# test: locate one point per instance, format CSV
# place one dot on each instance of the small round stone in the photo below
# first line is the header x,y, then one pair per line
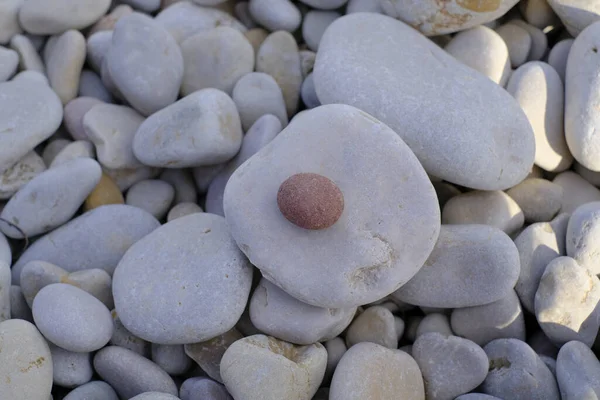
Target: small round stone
x,y
310,201
96,390
105,192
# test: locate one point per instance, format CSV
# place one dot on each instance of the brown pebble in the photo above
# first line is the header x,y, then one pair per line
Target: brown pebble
x,y
105,192
310,201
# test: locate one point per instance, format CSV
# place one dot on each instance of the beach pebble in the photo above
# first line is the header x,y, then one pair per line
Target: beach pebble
x,y
17,176
539,199
154,396
477,396
9,19
5,291
108,21
275,15
127,177
576,15
29,59
153,195
537,87
147,6
355,6
208,354
29,114
183,183
52,149
72,318
592,177
308,92
314,25
215,59
559,55
482,49
131,374
19,309
336,348
9,61
74,113
25,362
368,370
278,314
519,42
203,176
280,248
96,390
183,209
278,56
106,192
201,388
112,128
43,17
123,338
194,301
471,265
65,63
538,13
74,150
70,369
376,325
242,13
97,46
145,63
566,302
5,250
577,372
450,365
184,19
50,199
494,208
256,36
262,367
539,40
90,85
482,324
209,129
171,358
409,65
517,372
538,244
257,94
576,191
582,239
307,62
434,322
112,229
580,98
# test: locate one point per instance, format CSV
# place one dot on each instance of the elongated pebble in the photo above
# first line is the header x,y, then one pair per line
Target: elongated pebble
x,y
29,59
51,17
152,195
576,191
559,55
70,369
539,199
65,63
104,193
577,371
9,19
202,388
74,150
275,15
257,94
171,358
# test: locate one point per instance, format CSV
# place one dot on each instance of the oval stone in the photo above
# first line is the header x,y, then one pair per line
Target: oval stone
x,y
96,390
577,371
43,17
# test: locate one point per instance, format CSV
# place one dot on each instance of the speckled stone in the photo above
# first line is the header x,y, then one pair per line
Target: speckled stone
x,y
25,362
112,229
413,68
145,63
96,390
262,367
106,192
257,94
278,314
70,369
17,176
354,276
577,371
131,374
471,265
517,372
51,17
539,199
368,370
582,236
208,354
152,195
206,303
209,127
201,388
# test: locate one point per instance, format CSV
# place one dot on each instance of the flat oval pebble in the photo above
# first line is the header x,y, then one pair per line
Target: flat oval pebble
x,y
451,365
25,362
576,15
29,114
278,314
152,195
577,372
154,396
112,128
517,372
257,94
375,325
369,371
96,390
208,354
278,56
65,63
503,318
72,151
539,40
106,192
201,388
70,369
314,25
209,132
582,236
97,46
183,209
72,318
354,276
205,301
74,113
29,59
91,85
471,265
576,191
131,374
499,157
17,176
519,43
43,17
183,183
262,367
539,199
493,208
50,199
559,55
108,21
112,229
567,302
145,63
434,322
275,15
171,358
215,59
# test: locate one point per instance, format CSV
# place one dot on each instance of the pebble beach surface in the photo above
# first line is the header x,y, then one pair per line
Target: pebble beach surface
x,y
299,200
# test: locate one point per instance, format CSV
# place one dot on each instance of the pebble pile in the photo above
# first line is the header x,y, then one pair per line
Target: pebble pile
x,y
299,200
